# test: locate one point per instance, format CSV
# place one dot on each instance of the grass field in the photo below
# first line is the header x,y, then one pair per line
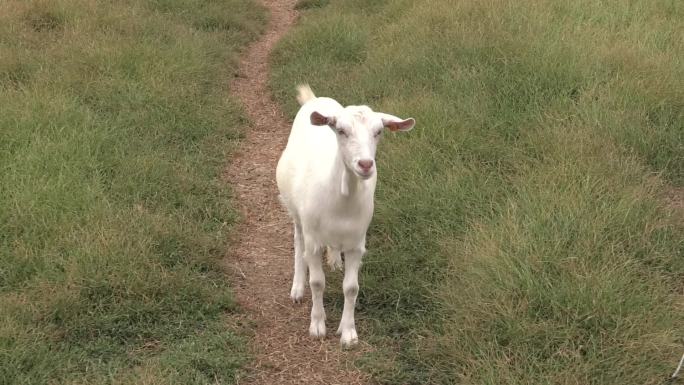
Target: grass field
x,y
115,122
526,230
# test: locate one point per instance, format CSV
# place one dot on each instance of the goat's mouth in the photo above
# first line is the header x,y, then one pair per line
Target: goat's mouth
x,y
364,174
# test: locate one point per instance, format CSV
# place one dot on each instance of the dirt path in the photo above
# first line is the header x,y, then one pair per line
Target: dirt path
x,y
262,255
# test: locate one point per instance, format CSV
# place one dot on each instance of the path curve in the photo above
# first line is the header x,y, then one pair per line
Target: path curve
x,y
261,255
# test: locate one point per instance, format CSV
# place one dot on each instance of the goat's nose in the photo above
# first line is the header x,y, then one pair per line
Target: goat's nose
x,y
365,164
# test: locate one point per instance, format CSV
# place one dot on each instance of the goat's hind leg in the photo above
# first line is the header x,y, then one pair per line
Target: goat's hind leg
x,y
313,255
299,279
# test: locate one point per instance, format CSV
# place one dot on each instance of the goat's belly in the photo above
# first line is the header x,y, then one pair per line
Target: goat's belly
x,y
342,233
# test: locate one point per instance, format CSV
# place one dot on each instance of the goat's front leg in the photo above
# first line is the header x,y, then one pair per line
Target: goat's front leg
x,y
350,285
314,259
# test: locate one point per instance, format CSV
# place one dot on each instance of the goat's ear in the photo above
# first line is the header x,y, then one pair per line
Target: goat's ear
x,y
396,124
318,119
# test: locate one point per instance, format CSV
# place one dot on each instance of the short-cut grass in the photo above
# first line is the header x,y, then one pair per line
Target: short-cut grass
x,y
115,121
523,233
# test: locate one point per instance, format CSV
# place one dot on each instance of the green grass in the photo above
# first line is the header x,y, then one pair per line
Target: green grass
x,y
306,4
114,126
521,234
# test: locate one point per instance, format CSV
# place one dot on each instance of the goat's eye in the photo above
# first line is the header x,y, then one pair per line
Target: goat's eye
x,y
342,132
378,133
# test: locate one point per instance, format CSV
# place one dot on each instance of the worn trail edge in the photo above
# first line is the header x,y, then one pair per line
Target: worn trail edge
x,y
262,255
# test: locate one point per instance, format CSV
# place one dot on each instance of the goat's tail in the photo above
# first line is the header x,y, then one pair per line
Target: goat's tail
x,y
304,94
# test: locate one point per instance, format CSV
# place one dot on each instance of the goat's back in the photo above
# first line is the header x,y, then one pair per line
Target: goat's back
x,y
311,152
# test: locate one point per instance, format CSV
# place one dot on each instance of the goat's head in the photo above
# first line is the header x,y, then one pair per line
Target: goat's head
x,y
358,130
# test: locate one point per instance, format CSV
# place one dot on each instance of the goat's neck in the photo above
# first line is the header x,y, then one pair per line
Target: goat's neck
x,y
349,183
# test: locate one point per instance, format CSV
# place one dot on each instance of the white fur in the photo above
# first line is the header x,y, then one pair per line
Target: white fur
x,y
329,196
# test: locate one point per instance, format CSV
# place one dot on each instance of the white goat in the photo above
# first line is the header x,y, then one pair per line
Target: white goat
x,y
326,177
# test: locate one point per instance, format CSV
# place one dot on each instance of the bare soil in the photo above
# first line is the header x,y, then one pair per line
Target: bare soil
x,y
262,254
674,198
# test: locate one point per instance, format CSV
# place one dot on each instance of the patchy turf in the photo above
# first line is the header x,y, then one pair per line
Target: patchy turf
x,y
115,124
524,231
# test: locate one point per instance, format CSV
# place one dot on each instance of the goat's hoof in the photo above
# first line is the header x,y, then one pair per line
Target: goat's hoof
x,y
349,338
317,328
297,294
